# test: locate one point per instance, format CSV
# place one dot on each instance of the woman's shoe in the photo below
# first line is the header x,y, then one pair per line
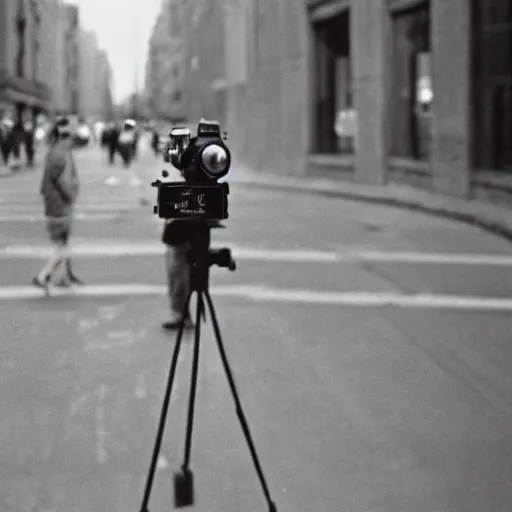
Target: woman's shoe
x,y
42,284
75,280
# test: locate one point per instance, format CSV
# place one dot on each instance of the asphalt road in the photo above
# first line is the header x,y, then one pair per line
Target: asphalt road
x,y
371,348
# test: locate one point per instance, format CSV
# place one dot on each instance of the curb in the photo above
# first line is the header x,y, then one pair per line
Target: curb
x,y
495,227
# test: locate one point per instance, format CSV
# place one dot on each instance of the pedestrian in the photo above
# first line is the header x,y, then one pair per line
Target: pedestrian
x,y
52,135
18,138
105,132
176,239
127,141
6,126
29,129
112,141
59,188
155,140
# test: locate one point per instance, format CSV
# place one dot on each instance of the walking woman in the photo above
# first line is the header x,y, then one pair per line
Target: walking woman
x,y
59,188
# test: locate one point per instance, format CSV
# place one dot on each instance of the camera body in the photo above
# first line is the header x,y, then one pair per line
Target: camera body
x,y
202,160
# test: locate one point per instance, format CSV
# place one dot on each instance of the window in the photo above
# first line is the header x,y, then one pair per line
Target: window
x,y
335,117
492,84
412,90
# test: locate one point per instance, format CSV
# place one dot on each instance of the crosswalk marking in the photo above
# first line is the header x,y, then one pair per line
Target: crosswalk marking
x,y
115,250
95,217
437,258
93,249
110,205
266,294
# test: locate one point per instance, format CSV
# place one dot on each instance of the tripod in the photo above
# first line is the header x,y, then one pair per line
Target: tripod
x,y
201,257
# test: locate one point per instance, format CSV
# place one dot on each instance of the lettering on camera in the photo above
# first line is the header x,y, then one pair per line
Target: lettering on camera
x,y
199,211
183,204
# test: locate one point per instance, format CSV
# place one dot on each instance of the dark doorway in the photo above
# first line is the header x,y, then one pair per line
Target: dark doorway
x,y
332,82
492,84
412,88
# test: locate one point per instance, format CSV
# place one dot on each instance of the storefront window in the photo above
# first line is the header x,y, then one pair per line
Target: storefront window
x,y
492,84
412,91
335,117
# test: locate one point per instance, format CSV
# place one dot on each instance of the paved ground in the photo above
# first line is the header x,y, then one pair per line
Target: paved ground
x,y
370,346
494,217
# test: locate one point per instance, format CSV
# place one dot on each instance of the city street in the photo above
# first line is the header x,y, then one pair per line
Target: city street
x,y
370,345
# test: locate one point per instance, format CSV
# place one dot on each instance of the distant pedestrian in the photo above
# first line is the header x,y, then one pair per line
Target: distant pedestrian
x,y
111,140
53,134
59,188
6,126
30,136
155,141
127,142
16,140
136,137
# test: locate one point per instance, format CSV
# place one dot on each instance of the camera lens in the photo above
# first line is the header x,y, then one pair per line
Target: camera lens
x,y
215,160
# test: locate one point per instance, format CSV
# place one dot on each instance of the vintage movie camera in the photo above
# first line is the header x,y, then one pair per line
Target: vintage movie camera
x,y
202,161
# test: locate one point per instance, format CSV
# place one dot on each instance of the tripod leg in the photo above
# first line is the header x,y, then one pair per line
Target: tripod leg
x,y
239,411
165,407
184,486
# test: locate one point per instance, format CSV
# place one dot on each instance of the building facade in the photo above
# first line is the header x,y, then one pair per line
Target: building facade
x,y
185,74
105,108
52,65
164,66
204,55
39,58
87,51
373,91
163,69
23,92
94,79
72,58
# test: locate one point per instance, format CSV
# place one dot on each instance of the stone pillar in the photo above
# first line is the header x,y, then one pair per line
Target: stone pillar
x,y
369,46
451,26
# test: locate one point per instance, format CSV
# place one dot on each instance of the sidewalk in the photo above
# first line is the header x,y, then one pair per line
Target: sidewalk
x,y
491,218
6,171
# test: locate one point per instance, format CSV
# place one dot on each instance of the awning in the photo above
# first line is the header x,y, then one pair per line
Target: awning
x,y
22,90
14,96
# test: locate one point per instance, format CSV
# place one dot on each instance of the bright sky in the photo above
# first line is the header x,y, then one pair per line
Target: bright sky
x,y
123,28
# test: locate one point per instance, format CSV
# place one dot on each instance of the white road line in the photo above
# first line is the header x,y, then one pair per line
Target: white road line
x,y
95,217
436,258
104,249
108,206
265,294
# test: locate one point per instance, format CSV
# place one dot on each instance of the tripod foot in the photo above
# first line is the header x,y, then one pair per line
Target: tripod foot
x,y
183,488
